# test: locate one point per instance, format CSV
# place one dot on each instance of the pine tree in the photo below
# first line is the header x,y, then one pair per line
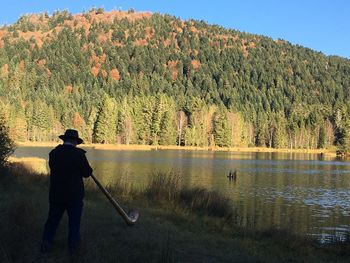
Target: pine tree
x,y
343,146
157,116
167,130
125,123
106,123
322,138
222,131
143,108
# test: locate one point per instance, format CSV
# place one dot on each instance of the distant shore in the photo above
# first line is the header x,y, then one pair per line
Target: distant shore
x,y
134,147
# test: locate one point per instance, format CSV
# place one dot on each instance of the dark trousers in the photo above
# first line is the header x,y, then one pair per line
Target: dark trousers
x,y
56,212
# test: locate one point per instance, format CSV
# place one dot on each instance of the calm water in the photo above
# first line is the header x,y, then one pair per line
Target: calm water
x,y
301,192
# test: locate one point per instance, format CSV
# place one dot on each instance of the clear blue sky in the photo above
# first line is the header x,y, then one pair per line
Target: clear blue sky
x,y
323,25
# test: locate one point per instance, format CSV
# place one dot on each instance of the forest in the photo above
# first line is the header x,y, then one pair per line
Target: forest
x,y
140,78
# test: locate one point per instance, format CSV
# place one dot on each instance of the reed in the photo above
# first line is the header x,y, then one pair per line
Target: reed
x,y
166,187
203,201
163,187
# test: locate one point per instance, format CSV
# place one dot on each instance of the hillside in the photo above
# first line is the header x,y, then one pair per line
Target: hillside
x,y
142,78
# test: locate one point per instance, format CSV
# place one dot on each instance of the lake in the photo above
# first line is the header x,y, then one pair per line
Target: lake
x,y
305,193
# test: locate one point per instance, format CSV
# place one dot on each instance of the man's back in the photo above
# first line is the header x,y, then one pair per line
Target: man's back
x,y
68,165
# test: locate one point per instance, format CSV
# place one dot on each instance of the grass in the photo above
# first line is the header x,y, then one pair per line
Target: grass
x,y
177,224
34,164
167,188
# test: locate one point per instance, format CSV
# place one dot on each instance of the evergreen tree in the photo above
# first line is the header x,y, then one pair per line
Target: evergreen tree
x,y
167,131
106,123
222,131
125,123
343,137
322,138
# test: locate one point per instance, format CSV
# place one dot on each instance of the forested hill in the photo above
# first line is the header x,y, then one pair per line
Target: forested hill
x,y
142,78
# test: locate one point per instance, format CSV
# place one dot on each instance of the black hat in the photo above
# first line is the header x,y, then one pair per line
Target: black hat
x,y
71,134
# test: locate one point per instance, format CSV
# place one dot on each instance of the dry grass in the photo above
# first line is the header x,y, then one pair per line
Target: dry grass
x,y
166,188
163,187
33,164
203,201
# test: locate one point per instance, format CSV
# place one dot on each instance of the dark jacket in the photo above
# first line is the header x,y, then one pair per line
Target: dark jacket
x,y
68,166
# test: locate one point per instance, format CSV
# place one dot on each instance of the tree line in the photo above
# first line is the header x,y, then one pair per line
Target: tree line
x,y
160,80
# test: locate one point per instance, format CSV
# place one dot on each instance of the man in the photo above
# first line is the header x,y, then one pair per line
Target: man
x,y
68,166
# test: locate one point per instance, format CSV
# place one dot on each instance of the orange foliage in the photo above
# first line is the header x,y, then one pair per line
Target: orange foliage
x,y
102,38
149,32
174,74
79,21
104,73
196,64
118,44
78,121
5,70
68,89
194,30
95,71
172,65
85,47
167,42
98,59
141,42
41,62
114,74
38,36
2,33
38,20
251,44
244,48
179,29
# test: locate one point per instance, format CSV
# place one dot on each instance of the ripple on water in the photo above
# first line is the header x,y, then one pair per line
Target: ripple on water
x,y
328,198
324,199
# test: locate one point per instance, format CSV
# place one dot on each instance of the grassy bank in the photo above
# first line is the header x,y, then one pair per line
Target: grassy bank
x,y
176,225
121,147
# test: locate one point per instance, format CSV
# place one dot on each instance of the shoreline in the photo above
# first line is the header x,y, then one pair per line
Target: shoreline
x,y
136,147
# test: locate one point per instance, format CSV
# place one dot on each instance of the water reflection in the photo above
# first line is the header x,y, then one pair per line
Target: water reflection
x,y
305,193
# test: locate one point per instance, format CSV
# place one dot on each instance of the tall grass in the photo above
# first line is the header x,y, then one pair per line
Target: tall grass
x,y
167,188
207,202
163,187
